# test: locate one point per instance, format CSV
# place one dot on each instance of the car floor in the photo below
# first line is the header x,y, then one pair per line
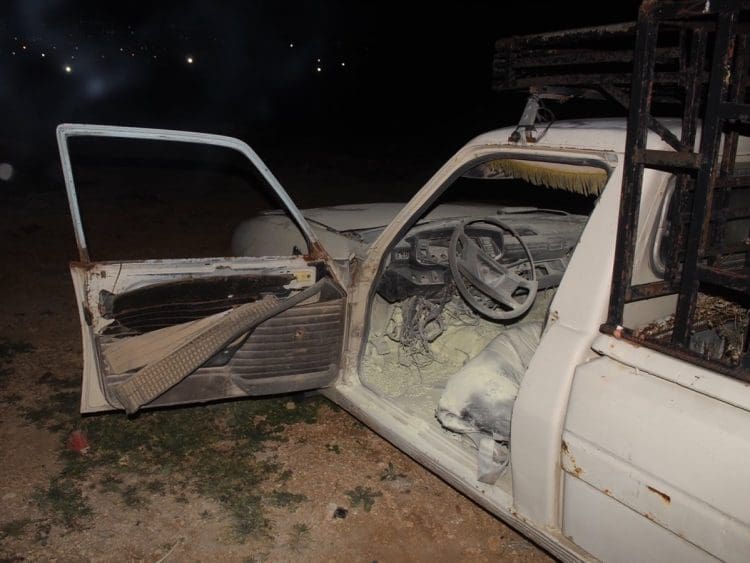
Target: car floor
x,y
415,380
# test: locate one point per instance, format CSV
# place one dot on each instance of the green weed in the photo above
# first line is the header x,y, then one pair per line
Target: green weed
x,y
57,412
391,474
10,348
299,537
110,483
284,476
132,497
209,450
285,499
15,528
364,496
64,502
156,487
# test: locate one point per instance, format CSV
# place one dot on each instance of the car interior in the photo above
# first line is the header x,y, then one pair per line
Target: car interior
x,y
461,304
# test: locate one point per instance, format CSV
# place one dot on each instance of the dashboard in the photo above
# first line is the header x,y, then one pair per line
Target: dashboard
x,y
419,263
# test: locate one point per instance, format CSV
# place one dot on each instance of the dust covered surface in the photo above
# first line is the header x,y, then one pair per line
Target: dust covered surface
x,y
263,480
416,381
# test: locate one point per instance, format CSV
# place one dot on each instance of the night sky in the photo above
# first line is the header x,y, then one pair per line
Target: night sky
x,y
260,70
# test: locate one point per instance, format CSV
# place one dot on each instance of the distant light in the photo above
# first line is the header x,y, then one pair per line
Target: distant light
x,y
343,63
23,47
291,45
6,171
72,57
43,55
318,60
318,69
121,49
68,69
189,60
13,53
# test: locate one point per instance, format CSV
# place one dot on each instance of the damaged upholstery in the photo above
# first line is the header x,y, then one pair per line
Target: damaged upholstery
x,y
479,397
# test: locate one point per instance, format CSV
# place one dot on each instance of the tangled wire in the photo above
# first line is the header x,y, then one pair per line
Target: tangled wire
x,y
421,324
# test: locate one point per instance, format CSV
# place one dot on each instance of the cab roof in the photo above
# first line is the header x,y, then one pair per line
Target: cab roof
x,y
603,134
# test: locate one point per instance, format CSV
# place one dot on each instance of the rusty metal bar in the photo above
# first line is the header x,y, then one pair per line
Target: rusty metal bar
x,y
704,184
725,250
641,89
592,80
568,57
737,280
685,354
726,181
618,95
649,291
734,110
668,159
732,182
693,63
601,32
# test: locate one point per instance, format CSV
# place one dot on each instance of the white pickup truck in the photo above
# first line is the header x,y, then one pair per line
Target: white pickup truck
x,y
493,344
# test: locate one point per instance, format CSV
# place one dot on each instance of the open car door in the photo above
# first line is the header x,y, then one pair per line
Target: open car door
x,y
170,332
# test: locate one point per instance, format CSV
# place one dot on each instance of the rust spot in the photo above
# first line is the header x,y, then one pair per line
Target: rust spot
x,y
607,492
554,316
83,264
316,252
566,452
650,516
664,496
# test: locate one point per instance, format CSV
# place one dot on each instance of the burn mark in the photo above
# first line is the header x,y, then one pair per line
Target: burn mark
x,y
664,496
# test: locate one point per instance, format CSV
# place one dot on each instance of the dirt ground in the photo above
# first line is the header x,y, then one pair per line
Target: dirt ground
x,y
280,479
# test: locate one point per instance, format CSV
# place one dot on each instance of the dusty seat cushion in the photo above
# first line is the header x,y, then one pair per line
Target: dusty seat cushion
x,y
479,397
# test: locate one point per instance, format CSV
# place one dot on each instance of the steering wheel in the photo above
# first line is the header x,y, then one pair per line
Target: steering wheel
x,y
487,275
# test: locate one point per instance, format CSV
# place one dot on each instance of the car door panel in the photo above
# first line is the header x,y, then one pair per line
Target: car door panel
x,y
295,350
141,319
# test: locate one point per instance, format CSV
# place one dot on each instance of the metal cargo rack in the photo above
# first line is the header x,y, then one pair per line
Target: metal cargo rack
x,y
694,55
